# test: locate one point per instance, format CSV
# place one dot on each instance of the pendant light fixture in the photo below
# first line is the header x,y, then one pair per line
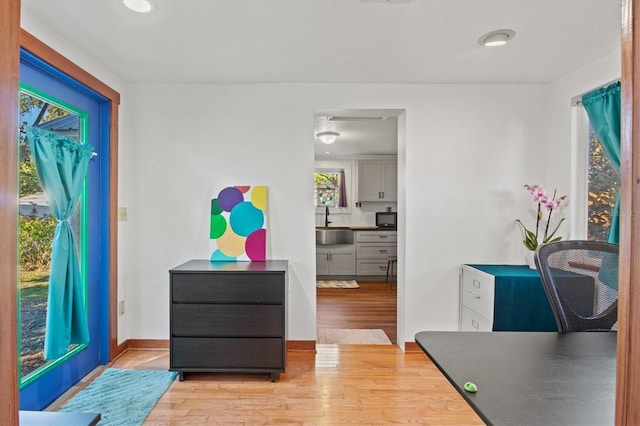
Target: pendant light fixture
x,y
328,137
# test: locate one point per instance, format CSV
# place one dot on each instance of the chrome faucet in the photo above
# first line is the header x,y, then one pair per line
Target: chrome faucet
x,y
326,216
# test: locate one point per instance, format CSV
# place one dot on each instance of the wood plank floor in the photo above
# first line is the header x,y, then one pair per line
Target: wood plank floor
x,y
339,384
373,305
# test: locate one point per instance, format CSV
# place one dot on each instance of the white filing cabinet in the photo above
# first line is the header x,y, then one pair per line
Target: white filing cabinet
x,y
476,300
372,250
503,298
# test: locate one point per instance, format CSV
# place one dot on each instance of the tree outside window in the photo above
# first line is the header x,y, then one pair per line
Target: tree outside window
x,y
603,188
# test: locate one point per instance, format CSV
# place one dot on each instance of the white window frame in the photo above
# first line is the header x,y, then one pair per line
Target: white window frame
x,y
578,208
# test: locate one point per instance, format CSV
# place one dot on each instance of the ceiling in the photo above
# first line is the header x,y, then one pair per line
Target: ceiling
x,y
335,41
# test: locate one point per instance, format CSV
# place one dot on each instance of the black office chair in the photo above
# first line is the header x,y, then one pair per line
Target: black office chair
x,y
580,279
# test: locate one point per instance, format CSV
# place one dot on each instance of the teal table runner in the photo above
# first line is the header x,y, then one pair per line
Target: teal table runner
x,y
520,303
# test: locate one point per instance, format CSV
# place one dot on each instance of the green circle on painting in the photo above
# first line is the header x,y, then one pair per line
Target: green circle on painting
x,y
218,226
215,207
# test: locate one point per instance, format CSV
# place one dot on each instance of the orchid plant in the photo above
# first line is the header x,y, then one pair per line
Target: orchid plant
x,y
540,196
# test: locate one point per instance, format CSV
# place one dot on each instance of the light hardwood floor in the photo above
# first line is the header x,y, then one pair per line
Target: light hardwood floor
x,y
338,384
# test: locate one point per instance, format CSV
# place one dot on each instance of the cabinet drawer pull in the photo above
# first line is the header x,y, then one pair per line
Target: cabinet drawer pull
x,y
382,268
475,324
382,251
474,295
383,236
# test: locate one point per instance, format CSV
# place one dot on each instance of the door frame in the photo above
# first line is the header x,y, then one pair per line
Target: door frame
x,y
39,49
12,38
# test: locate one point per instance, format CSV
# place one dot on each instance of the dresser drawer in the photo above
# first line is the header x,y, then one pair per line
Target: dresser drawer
x,y
477,293
471,321
227,288
376,251
227,353
218,320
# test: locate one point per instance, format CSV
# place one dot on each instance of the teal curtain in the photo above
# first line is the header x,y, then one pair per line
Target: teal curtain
x,y
603,108
61,166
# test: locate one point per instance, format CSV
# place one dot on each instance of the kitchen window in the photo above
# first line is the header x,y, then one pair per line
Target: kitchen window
x,y
331,187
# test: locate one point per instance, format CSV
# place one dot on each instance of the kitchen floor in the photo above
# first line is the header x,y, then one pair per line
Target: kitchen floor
x,y
373,305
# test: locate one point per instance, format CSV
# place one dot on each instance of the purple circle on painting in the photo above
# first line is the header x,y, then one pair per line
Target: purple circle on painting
x,y
229,197
256,244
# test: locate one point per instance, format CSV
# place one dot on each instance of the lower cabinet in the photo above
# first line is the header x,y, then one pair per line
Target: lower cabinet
x,y
228,317
503,298
339,259
372,250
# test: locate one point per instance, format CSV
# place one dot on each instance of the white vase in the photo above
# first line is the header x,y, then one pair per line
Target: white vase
x,y
530,260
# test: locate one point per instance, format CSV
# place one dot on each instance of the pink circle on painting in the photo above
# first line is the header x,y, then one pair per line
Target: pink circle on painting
x,y
255,245
229,197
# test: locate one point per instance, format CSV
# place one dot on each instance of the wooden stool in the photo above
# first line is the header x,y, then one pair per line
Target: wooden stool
x,y
391,260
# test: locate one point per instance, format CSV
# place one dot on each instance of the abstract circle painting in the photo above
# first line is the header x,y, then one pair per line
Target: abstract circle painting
x,y
238,228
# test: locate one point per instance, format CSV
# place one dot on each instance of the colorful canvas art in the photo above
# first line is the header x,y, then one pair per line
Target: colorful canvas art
x,y
238,229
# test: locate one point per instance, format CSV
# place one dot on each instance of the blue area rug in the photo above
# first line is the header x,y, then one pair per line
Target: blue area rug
x,y
122,397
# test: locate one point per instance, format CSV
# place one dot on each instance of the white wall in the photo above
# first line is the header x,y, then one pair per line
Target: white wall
x,y
469,149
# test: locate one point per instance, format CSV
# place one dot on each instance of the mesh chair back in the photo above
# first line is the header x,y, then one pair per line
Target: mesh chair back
x,y
581,282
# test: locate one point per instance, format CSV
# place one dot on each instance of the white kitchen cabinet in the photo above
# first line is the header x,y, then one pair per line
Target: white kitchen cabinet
x,y
372,250
377,180
337,259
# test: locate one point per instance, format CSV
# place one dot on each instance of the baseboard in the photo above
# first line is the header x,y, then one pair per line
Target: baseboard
x,y
301,346
292,345
120,349
148,344
411,347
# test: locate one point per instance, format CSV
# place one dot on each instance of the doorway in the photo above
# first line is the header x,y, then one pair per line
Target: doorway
x,y
53,101
362,138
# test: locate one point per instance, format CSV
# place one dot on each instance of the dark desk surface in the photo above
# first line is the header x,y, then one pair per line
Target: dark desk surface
x,y
530,378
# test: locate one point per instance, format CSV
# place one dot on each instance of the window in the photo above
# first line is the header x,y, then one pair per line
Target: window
x,y
330,188
603,187
36,227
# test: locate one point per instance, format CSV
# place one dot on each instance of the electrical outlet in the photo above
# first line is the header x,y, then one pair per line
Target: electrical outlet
x,y
121,307
122,213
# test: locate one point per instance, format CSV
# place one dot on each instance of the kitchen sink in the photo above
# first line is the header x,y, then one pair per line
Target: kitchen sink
x,y
327,236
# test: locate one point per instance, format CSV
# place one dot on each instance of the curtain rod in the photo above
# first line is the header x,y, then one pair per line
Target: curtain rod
x,y
577,100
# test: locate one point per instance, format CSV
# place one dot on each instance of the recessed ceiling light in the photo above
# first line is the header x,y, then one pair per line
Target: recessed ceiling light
x,y
496,38
140,6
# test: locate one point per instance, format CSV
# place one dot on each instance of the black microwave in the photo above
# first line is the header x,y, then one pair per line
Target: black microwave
x,y
386,219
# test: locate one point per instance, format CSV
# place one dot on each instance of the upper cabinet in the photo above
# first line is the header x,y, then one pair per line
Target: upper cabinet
x,y
377,180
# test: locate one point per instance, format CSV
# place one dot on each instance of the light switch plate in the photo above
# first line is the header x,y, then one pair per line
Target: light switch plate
x,y
122,213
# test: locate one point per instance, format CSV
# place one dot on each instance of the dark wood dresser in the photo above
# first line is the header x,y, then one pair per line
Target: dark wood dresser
x,y
228,317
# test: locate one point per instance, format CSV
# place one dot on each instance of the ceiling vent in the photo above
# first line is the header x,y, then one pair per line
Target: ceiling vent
x,y
351,118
